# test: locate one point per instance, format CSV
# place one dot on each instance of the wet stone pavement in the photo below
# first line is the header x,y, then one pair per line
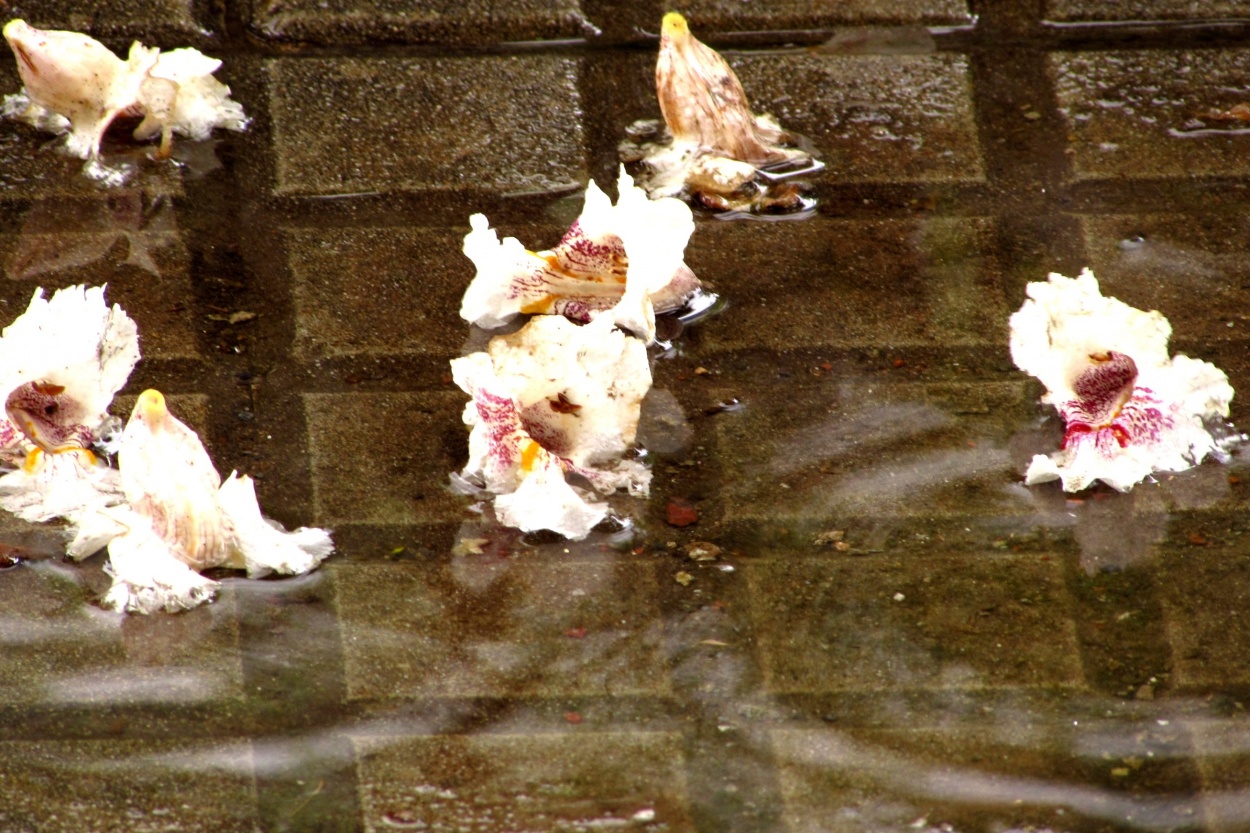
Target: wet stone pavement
x,y
896,633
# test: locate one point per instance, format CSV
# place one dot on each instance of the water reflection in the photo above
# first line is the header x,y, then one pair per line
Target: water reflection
x,y
58,235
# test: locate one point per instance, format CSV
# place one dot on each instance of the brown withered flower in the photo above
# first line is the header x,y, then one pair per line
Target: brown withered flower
x,y
712,148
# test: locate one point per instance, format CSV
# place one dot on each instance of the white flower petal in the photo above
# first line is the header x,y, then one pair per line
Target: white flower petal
x,y
632,251
1129,409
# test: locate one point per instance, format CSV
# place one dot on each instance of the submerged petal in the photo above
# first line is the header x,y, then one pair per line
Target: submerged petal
x,y
1128,408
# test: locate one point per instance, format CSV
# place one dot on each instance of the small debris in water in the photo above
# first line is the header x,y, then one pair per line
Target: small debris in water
x,y
683,578
898,597
681,512
701,551
573,717
575,633
828,538
11,556
644,816
241,316
732,404
470,546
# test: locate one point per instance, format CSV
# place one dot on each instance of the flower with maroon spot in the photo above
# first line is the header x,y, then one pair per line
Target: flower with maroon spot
x,y
627,256
1128,407
551,402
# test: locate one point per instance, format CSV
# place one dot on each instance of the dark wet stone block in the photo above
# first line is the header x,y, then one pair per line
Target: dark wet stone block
x,y
1206,602
1077,11
164,23
1222,744
64,650
723,15
498,123
362,292
125,238
876,451
363,21
1154,114
843,283
486,627
384,458
510,782
72,786
904,118
988,770
941,622
1195,269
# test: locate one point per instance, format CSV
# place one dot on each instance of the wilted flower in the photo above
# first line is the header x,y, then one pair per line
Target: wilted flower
x,y
551,400
74,83
61,362
180,518
714,148
1129,408
627,256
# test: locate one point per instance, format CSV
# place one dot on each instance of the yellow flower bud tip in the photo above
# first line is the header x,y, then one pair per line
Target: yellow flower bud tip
x,y
151,406
674,24
13,25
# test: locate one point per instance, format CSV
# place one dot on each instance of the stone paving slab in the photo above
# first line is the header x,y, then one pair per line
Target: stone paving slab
x,y
384,458
372,291
478,22
899,118
518,783
848,283
1154,114
1071,11
1165,261
75,786
1220,745
507,124
723,15
867,447
128,241
60,648
1206,605
485,627
979,621
1002,773
164,23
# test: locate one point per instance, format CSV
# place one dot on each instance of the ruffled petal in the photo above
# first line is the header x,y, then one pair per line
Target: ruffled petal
x,y
1129,409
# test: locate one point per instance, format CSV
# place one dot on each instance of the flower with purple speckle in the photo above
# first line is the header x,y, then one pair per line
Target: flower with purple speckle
x,y
1129,408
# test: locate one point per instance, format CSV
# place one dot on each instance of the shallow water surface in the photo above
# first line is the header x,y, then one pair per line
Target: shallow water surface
x,y
873,625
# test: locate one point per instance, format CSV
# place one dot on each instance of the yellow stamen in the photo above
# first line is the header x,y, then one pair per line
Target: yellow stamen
x,y
87,457
32,460
529,455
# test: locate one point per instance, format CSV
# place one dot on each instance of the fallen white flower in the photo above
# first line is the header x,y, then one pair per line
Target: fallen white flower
x,y
629,255
180,518
553,399
73,83
61,362
1129,408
